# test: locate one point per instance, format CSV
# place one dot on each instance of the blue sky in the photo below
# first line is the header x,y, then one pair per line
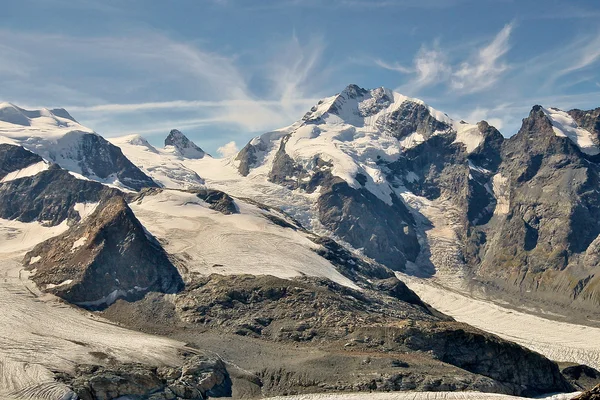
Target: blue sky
x,y
226,70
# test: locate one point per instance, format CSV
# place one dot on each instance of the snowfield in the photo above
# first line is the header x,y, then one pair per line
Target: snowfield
x,y
52,134
39,333
565,126
245,243
26,172
559,341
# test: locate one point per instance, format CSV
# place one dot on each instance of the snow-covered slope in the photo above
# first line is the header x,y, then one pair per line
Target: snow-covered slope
x,y
355,131
165,165
565,126
246,243
359,129
58,138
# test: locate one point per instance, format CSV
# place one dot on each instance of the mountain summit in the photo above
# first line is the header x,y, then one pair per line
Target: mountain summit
x,y
183,146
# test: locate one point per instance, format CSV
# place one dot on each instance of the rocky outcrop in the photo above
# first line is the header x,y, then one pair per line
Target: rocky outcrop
x,y
582,377
99,158
14,158
385,319
183,146
108,256
593,394
544,242
49,197
201,376
218,201
385,232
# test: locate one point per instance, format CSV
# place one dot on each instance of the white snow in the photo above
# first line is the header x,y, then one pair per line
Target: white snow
x,y
30,170
35,259
78,243
52,134
165,166
565,126
66,282
85,209
245,243
560,341
468,134
17,237
412,140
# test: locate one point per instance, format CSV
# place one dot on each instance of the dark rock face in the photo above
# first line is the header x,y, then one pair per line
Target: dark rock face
x,y
14,158
409,118
249,155
96,156
384,232
219,201
109,255
348,264
184,146
546,242
200,377
582,377
588,120
49,196
487,355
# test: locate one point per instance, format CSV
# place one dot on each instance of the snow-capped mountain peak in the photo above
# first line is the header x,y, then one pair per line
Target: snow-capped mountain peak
x,y
43,120
58,138
564,125
183,146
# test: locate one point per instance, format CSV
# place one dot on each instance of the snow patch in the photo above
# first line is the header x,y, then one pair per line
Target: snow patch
x,y
85,209
501,191
17,237
565,126
468,134
78,243
31,170
67,282
35,259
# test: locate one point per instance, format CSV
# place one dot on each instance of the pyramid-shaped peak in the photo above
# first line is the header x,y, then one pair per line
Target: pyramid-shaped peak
x,y
353,91
183,146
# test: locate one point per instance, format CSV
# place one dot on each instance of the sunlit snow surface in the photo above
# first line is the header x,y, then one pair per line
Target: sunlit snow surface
x,y
31,170
52,134
564,125
245,243
38,333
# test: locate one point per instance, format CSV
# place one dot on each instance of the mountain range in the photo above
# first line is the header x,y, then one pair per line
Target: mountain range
x,y
306,236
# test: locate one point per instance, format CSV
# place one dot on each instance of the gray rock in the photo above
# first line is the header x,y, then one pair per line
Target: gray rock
x,y
14,158
183,146
108,256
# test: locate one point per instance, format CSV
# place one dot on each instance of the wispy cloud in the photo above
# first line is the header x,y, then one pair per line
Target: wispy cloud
x,y
432,66
584,53
486,67
167,75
